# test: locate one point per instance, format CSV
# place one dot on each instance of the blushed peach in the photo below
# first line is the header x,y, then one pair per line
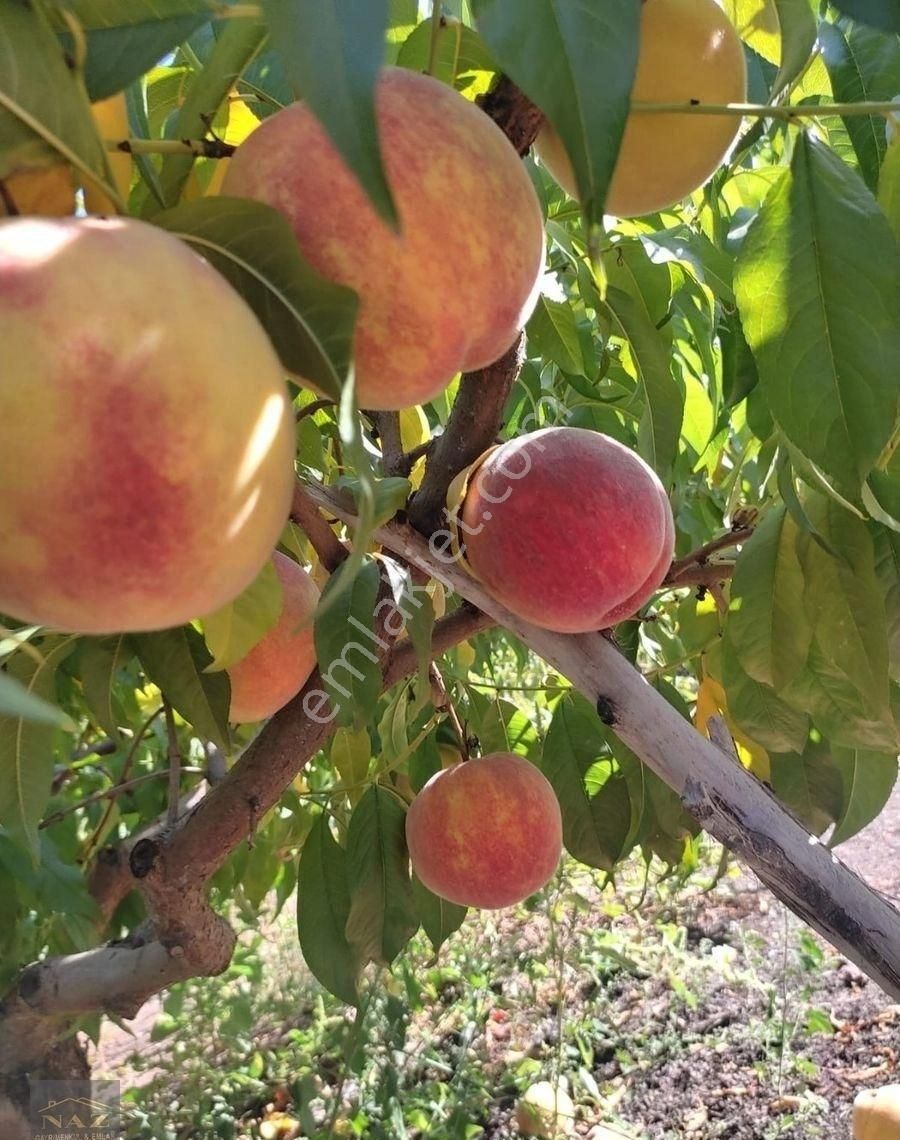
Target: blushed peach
x,y
146,440
568,528
279,665
485,833
450,291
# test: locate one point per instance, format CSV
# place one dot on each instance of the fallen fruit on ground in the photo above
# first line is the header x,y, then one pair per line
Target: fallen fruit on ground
x,y
568,528
689,52
876,1114
279,665
450,291
146,441
485,833
545,1110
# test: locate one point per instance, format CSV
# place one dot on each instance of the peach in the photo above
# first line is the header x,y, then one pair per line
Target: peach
x,y
450,291
568,528
146,436
279,665
689,50
485,833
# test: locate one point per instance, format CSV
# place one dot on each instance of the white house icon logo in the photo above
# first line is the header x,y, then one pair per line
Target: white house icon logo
x,y
75,1112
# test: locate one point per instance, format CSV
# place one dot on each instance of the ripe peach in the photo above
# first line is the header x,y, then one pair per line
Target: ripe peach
x,y
485,833
279,665
146,441
450,291
567,528
689,50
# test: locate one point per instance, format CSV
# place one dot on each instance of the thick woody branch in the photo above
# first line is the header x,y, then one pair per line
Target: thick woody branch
x,y
723,796
327,545
472,428
683,571
514,113
387,424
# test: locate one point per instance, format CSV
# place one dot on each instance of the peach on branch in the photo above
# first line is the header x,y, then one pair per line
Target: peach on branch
x,y
146,441
279,665
451,289
568,528
485,833
689,52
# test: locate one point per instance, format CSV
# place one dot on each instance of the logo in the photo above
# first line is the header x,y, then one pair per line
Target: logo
x,y
75,1110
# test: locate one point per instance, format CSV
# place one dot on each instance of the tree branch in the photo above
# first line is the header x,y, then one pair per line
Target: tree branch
x,y
514,113
472,428
327,545
387,424
681,571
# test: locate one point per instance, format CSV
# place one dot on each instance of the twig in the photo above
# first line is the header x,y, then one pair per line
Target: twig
x,y
199,148
441,699
409,459
327,545
786,111
110,794
678,571
472,427
311,409
174,754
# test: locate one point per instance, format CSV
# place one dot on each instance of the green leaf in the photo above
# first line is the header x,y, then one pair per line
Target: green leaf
x,y
864,66
660,424
798,38
767,623
810,784
889,187
27,745
99,662
817,288
887,569
460,50
390,495
346,647
176,660
235,47
323,908
18,702
845,607
382,916
232,631
758,709
439,918
412,606
596,820
308,319
117,56
92,14
332,54
577,62
883,14
868,779
350,753
45,116
553,335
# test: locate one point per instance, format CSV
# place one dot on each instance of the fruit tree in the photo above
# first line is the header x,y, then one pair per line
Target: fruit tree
x,y
434,437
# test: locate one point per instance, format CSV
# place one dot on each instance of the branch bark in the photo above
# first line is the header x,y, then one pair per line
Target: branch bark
x,y
327,545
723,796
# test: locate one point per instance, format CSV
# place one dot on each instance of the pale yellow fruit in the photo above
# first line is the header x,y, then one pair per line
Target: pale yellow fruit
x,y
689,51
876,1114
546,1111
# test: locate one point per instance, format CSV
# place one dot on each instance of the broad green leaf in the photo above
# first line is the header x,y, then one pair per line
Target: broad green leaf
x,y
176,660
232,631
346,644
99,662
767,623
382,916
389,495
818,288
868,779
402,17
798,38
660,423
18,702
117,56
460,51
350,753
739,374
756,22
439,918
323,908
810,784
45,116
576,61
883,14
758,709
889,187
392,729
122,13
237,44
650,284
887,569
845,608
595,826
553,335
711,265
27,745
309,320
332,54
864,66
